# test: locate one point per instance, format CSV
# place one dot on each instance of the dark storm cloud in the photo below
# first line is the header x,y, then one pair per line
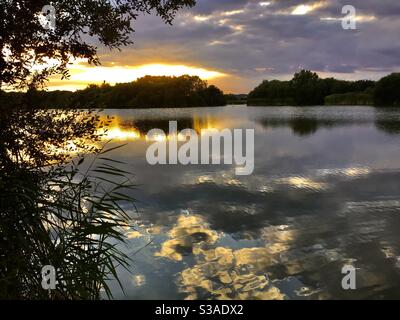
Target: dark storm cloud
x,y
253,41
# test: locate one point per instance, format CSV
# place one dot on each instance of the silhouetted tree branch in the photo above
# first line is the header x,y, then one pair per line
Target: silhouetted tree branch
x,y
24,42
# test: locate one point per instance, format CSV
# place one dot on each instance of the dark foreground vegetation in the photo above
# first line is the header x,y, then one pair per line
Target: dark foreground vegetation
x,y
63,201
58,207
146,92
306,88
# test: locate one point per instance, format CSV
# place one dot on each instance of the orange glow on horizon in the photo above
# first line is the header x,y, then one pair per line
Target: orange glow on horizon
x,y
82,75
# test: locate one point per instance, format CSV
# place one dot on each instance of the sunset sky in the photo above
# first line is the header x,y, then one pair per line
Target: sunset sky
x,y
237,43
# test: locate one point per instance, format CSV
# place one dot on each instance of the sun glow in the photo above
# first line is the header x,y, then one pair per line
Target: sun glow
x,y
117,130
119,134
82,75
302,9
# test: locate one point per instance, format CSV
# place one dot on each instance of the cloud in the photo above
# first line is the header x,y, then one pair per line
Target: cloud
x,y
251,40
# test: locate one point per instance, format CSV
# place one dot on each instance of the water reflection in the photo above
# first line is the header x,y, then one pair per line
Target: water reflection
x,y
226,273
300,126
302,123
188,232
388,120
223,273
312,205
120,129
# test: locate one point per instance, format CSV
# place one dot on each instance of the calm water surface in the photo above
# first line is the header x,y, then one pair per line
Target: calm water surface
x,y
325,192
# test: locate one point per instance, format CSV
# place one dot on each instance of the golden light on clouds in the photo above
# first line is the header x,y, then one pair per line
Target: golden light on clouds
x,y
358,18
204,18
201,18
302,9
82,75
232,13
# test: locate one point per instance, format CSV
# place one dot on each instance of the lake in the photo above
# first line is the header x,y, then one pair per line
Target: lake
x,y
324,193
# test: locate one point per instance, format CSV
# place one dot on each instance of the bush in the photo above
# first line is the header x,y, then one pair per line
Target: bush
x,y
352,98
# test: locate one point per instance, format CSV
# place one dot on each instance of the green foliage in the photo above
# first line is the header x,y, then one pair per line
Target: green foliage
x,y
387,92
54,211
24,42
351,98
306,88
152,92
213,96
146,92
273,92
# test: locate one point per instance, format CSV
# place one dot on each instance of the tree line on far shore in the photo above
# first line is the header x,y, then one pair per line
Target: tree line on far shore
x,y
307,88
146,92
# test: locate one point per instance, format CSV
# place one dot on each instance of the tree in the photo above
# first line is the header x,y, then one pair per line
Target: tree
x,y
387,91
273,92
146,92
25,43
307,88
53,212
214,96
56,214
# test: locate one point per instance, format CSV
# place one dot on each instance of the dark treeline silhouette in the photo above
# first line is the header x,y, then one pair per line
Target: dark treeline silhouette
x,y
387,90
146,92
236,98
307,88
